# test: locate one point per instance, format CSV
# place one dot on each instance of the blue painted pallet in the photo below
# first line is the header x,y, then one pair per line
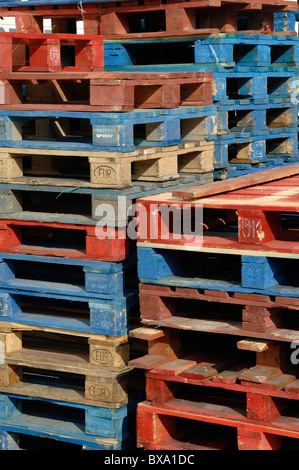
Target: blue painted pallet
x,y
258,87
259,274
277,148
100,428
111,131
73,313
216,51
256,119
67,277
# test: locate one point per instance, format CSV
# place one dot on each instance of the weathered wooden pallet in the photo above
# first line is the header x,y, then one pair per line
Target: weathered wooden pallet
x,y
98,387
32,440
228,313
258,87
256,119
26,198
160,428
64,240
207,386
255,360
239,152
68,276
158,20
68,312
67,130
102,169
266,220
79,362
50,52
219,271
104,91
124,18
48,3
212,52
97,427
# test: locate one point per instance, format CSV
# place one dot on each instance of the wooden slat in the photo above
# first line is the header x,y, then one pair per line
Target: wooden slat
x,y
218,187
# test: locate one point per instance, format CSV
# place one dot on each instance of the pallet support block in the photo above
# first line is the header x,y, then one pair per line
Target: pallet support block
x,y
113,318
9,441
104,390
153,428
263,407
259,272
157,169
258,227
261,318
10,130
112,354
256,440
98,423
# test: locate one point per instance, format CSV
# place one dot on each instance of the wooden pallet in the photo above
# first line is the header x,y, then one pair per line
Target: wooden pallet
x,y
214,387
256,120
169,347
67,240
210,52
237,152
32,440
122,18
253,87
67,277
107,131
230,271
71,351
46,309
227,313
106,91
101,169
50,52
160,428
84,425
99,364
260,224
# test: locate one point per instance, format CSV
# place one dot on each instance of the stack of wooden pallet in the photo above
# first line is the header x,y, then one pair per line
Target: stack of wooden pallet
x,y
219,314
78,146
153,97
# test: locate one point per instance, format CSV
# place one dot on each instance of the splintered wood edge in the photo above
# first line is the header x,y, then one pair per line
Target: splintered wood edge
x,y
253,345
145,333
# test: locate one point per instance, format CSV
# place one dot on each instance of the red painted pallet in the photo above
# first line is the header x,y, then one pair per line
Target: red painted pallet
x,y
160,428
228,313
151,18
50,52
211,386
259,225
169,348
65,240
104,91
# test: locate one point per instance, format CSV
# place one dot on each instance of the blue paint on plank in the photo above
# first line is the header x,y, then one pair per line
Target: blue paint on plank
x,y
258,274
105,316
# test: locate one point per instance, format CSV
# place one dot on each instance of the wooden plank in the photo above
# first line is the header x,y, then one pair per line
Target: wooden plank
x,y
147,334
218,187
259,374
176,367
230,376
252,345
